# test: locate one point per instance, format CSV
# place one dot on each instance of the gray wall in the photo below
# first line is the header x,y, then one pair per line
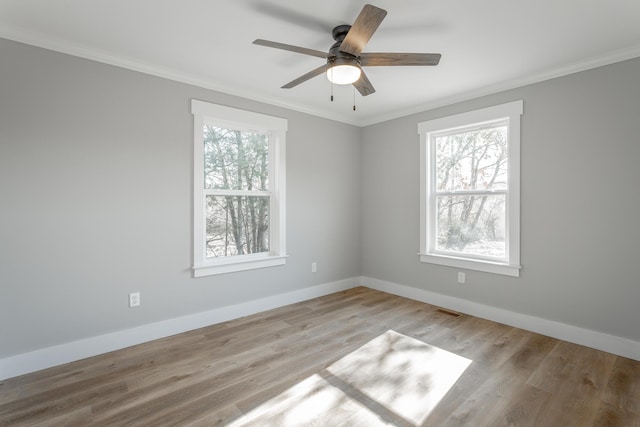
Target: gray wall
x,y
96,184
96,201
580,203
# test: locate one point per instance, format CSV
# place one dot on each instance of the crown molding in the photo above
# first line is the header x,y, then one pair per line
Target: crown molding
x,y
595,62
81,51
45,42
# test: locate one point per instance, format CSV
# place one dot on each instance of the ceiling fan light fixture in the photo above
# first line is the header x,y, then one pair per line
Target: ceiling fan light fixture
x,y
343,72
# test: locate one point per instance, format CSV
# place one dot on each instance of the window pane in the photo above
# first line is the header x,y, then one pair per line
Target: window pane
x,y
474,160
237,225
235,160
472,224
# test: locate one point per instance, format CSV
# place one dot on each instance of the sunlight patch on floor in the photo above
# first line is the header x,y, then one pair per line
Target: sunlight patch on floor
x,y
312,402
391,380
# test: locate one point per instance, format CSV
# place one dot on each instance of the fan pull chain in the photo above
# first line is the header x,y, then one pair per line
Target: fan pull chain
x,y
331,82
354,98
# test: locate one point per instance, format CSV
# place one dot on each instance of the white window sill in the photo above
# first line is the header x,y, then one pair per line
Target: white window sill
x,y
472,264
239,263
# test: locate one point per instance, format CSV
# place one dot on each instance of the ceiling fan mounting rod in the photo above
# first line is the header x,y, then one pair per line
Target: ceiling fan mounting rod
x,y
340,32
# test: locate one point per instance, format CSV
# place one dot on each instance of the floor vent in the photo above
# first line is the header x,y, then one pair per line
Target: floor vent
x,y
449,312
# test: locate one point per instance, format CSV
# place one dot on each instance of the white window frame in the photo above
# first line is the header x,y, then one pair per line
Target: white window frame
x,y
233,118
510,112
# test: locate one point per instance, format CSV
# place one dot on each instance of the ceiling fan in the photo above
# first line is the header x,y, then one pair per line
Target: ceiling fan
x,y
345,58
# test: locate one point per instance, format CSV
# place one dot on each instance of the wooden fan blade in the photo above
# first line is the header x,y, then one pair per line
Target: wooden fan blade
x,y
385,59
362,29
290,48
317,71
363,85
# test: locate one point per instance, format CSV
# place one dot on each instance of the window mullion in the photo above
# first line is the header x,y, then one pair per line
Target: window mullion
x,y
250,193
471,193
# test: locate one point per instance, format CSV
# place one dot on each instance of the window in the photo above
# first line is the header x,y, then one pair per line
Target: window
x,y
239,189
469,188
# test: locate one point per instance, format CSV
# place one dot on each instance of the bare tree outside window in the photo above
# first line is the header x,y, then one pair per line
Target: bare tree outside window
x,y
471,180
236,167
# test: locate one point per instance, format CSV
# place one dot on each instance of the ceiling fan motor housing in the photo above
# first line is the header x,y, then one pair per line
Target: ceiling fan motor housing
x,y
335,56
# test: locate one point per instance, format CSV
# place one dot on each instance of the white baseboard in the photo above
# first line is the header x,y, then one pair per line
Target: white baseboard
x,y
51,356
598,340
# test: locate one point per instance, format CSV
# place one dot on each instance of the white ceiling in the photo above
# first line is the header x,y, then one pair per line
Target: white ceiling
x,y
486,46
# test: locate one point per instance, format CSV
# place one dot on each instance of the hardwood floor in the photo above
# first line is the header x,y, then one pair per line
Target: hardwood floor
x,y
218,374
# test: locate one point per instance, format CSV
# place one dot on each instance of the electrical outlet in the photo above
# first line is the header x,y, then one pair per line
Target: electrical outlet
x,y
461,277
134,299
314,267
